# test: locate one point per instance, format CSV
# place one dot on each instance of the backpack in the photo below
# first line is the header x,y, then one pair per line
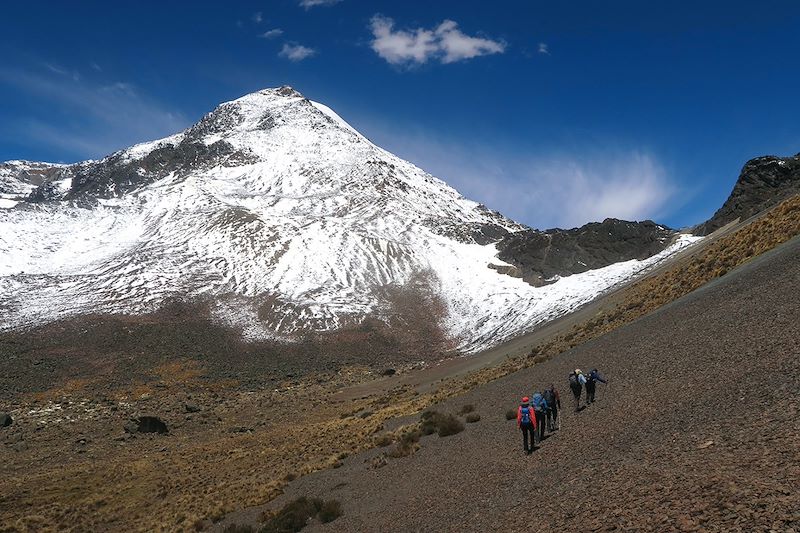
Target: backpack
x,y
549,397
573,380
525,416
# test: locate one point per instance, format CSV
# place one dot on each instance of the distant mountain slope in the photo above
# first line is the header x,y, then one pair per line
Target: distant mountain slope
x,y
539,256
763,183
282,220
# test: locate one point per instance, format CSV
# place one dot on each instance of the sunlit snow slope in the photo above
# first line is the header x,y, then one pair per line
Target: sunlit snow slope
x,y
270,202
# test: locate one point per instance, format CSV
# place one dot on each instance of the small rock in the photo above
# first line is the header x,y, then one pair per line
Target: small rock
x,y
5,420
20,446
131,426
191,407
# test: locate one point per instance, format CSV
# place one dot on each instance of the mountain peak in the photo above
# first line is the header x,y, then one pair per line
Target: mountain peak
x,y
284,90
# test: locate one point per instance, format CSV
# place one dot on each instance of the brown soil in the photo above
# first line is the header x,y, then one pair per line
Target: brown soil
x,y
697,430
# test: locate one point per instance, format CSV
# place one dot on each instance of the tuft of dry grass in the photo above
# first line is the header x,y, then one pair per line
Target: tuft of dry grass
x,y
407,444
472,418
443,424
295,515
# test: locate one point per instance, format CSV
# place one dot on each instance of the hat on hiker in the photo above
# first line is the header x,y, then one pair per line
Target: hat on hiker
x,y
525,399
577,370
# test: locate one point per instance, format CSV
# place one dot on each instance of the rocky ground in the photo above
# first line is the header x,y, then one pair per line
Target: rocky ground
x,y
698,430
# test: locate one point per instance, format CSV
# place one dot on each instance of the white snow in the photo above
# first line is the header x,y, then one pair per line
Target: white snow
x,y
317,227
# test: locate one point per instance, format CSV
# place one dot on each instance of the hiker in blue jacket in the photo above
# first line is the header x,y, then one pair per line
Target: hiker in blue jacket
x,y
591,382
540,408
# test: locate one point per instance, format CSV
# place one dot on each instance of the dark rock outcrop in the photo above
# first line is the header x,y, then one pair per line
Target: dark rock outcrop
x,y
146,424
763,183
116,175
540,255
5,420
18,176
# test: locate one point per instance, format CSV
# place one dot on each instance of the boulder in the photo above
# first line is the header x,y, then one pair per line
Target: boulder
x,y
5,420
146,424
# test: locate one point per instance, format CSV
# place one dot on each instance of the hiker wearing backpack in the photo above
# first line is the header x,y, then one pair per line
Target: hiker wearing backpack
x,y
553,405
540,410
591,382
576,382
526,422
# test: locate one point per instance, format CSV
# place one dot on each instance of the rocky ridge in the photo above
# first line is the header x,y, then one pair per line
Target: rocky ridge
x,y
764,182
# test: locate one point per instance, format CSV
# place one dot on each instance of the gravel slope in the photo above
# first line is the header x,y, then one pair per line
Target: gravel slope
x,y
697,430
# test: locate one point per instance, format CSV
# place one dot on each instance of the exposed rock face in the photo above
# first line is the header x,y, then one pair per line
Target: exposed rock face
x,y
19,178
539,256
763,183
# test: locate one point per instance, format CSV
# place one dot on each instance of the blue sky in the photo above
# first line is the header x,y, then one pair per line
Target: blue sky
x,y
555,113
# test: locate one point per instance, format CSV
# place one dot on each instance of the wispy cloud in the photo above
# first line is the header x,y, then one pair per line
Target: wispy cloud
x,y
57,69
544,49
308,4
257,17
271,34
559,190
86,119
445,43
296,52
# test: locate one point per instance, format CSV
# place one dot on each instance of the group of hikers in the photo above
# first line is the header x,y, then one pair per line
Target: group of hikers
x,y
540,412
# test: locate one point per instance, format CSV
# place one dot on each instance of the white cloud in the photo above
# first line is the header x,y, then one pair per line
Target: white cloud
x,y
458,46
257,17
399,47
101,118
544,191
296,52
544,49
446,43
271,34
308,4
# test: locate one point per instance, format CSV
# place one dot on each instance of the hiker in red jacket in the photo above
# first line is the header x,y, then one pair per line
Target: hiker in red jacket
x,y
526,422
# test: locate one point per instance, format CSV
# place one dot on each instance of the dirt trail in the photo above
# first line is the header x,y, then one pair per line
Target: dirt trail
x,y
699,429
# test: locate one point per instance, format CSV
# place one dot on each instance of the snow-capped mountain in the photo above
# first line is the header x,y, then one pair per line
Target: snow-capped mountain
x,y
282,216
